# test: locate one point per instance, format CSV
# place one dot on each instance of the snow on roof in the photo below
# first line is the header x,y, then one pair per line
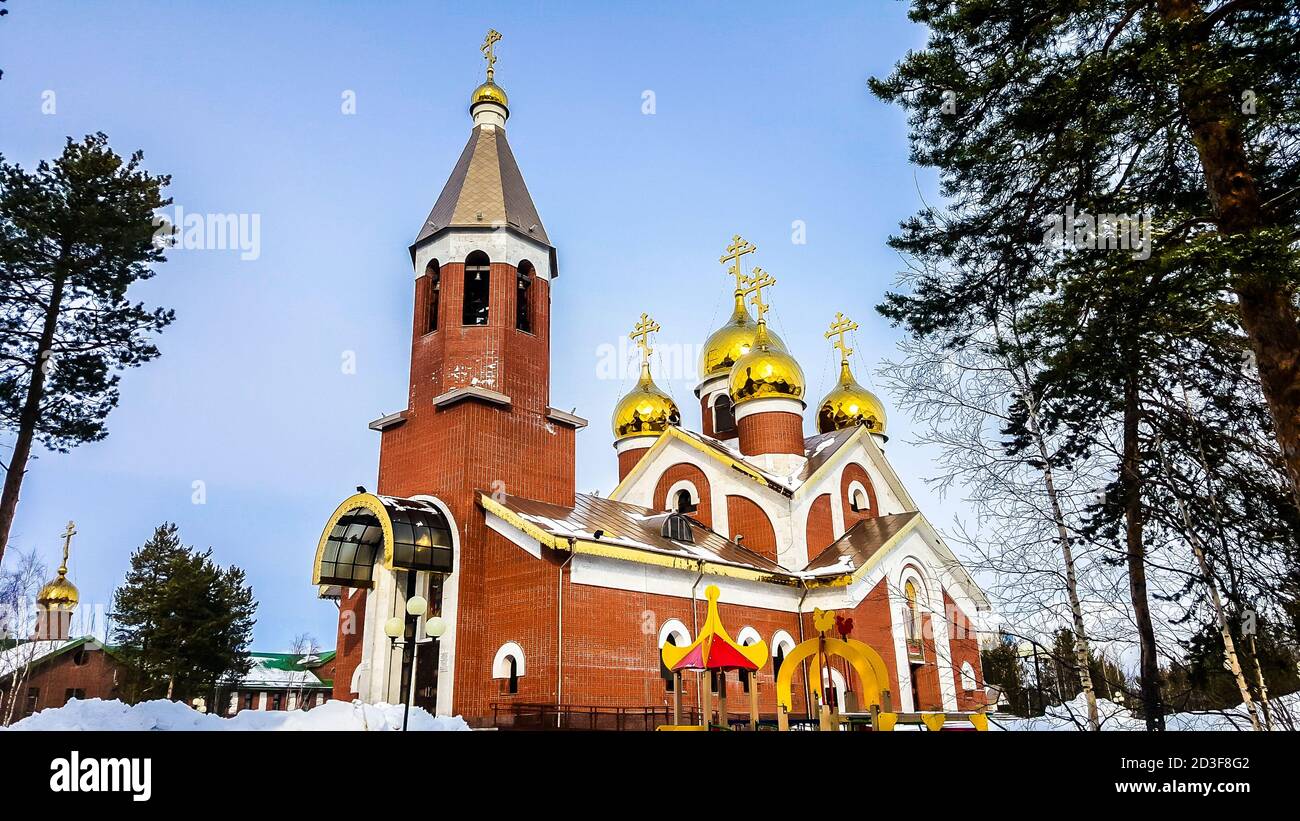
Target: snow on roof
x,y
28,652
281,670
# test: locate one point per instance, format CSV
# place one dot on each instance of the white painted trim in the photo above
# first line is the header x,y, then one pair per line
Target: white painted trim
x,y
856,486
748,636
640,440
449,612
499,667
681,484
674,628
782,639
514,534
771,404
453,246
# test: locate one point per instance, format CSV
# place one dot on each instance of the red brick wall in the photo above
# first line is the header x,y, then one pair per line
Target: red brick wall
x,y
692,474
771,432
101,676
450,452
853,471
820,532
744,517
965,646
627,460
348,646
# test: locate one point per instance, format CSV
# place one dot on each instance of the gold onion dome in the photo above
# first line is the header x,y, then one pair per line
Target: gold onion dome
x,y
849,404
645,410
489,92
765,372
59,594
732,341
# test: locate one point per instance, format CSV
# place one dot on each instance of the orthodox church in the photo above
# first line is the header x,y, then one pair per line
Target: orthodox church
x,y
477,581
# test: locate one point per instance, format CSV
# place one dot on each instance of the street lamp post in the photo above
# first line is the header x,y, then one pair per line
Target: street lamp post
x,y
406,629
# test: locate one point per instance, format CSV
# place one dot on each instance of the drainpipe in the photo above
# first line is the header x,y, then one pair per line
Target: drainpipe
x,y
695,634
559,634
807,693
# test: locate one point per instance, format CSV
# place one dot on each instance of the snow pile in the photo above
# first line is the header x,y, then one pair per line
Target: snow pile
x,y
97,714
1073,715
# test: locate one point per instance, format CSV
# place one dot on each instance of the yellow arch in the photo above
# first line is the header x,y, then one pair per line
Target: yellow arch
x,y
866,662
370,502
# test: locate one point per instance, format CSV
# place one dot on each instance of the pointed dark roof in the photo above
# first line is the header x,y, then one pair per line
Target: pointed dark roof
x,y
485,190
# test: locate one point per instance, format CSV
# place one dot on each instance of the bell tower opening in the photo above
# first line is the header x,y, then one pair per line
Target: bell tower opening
x,y
478,289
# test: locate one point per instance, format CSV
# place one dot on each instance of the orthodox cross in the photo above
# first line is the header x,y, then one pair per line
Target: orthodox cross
x,y
488,52
738,248
68,533
839,328
754,285
641,335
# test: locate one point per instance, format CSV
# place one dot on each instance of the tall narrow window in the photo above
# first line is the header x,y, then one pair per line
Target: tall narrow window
x,y
724,415
664,672
514,674
478,276
432,300
523,298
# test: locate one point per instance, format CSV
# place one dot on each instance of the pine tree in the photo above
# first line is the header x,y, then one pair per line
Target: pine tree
x,y
1036,111
183,622
75,234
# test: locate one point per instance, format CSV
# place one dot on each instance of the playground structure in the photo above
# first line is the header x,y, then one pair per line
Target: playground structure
x,y
868,706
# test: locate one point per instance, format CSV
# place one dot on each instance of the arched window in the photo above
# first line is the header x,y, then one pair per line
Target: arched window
x,y
478,280
745,638
663,668
682,502
724,415
782,644
434,287
523,298
913,611
859,502
968,681
509,666
912,624
675,633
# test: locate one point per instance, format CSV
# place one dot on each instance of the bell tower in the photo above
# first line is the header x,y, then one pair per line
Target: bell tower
x,y
479,414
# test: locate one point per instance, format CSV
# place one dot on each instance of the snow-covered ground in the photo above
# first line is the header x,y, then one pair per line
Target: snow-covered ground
x,y
1073,715
97,714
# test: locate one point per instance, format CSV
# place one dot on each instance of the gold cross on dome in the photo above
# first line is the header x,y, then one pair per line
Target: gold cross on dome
x,y
738,248
839,328
68,533
754,285
488,52
641,335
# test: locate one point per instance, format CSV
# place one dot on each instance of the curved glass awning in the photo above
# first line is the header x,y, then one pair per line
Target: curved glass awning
x,y
407,534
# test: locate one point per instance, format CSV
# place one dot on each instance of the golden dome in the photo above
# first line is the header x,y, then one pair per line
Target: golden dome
x,y
732,341
489,92
645,410
848,404
765,372
59,594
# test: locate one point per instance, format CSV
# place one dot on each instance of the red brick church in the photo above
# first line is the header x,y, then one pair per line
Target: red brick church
x,y
553,597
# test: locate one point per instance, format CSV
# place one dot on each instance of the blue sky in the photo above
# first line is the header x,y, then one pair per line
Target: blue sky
x,y
762,117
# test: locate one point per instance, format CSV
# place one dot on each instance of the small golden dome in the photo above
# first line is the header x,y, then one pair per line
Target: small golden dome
x,y
489,92
645,409
766,372
732,341
848,404
59,594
